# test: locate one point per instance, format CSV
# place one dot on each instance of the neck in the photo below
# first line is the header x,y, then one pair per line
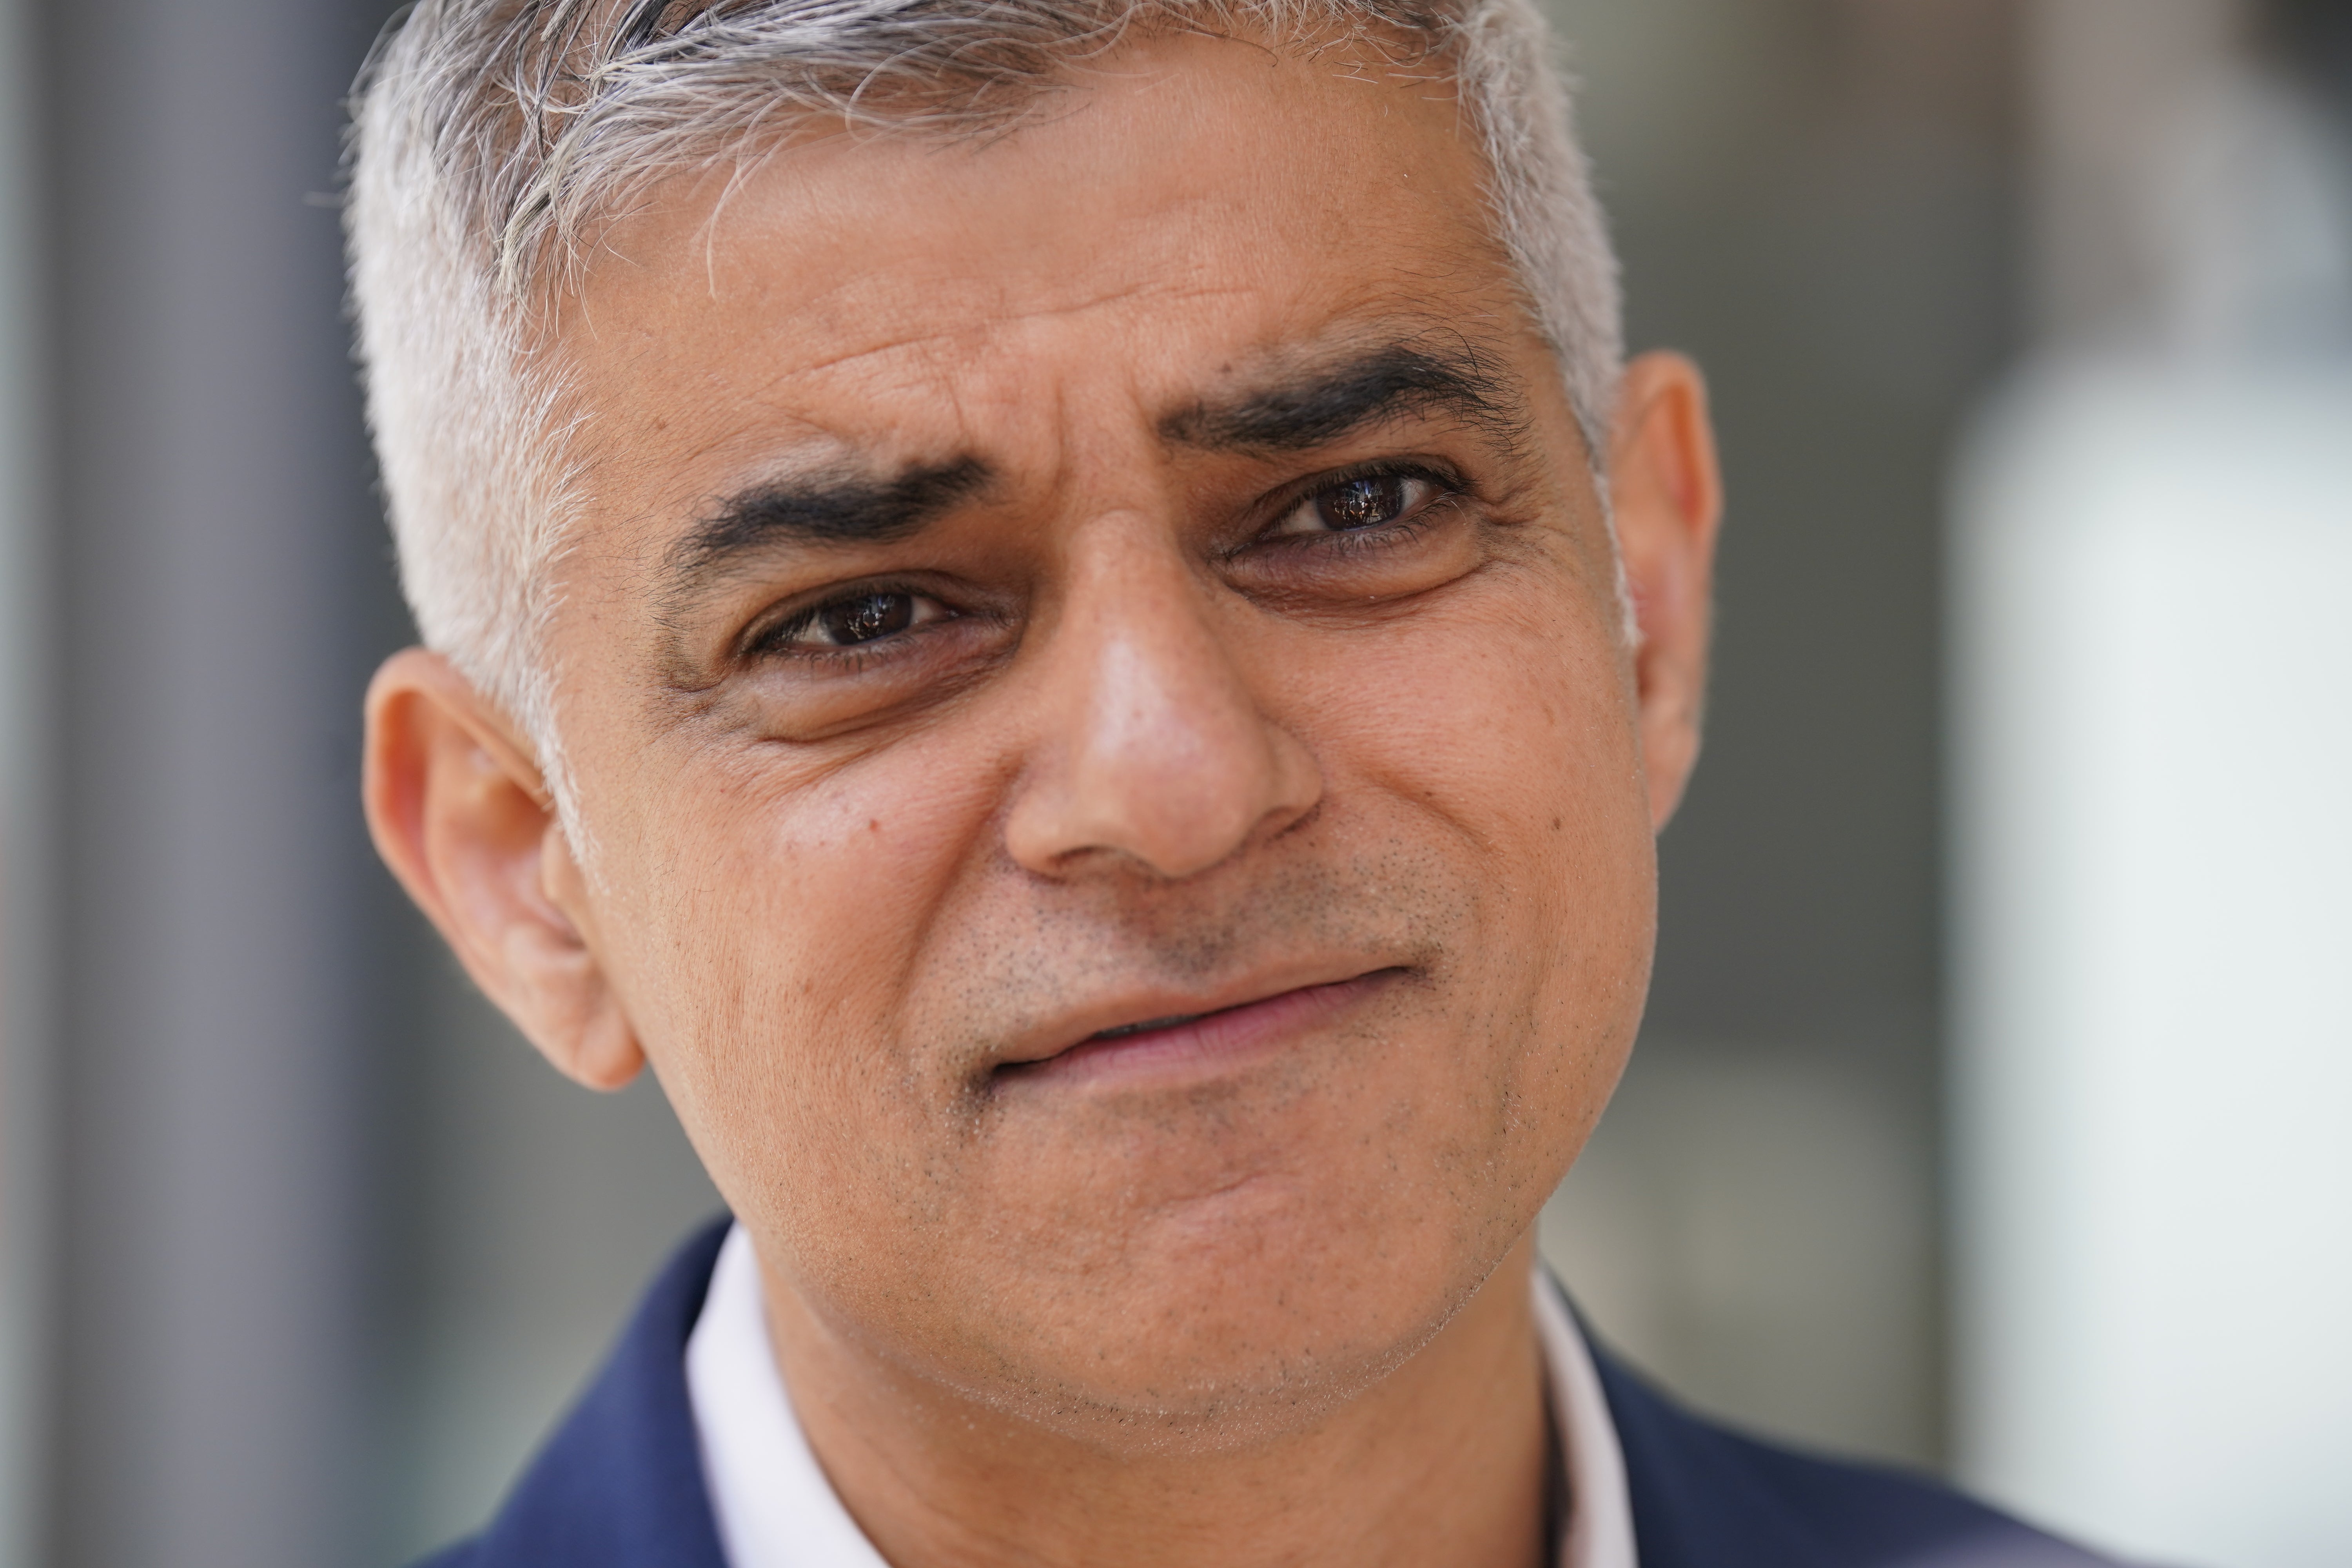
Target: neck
x,y
1444,1463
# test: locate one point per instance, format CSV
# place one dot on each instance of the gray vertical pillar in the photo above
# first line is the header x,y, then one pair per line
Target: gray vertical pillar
x,y
216,550
27,1030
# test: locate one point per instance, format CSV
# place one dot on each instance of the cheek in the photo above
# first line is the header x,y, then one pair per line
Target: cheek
x,y
1507,737
770,952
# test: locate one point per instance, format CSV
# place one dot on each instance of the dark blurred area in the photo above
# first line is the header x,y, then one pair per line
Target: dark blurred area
x,y
2312,39
305,1249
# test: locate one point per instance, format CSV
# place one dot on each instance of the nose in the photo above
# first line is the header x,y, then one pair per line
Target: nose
x,y
1153,748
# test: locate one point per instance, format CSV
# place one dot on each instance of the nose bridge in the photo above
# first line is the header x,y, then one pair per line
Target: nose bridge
x,y
1143,644
1153,746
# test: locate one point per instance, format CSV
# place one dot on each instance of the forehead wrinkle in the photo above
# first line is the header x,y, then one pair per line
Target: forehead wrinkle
x,y
967,401
950,341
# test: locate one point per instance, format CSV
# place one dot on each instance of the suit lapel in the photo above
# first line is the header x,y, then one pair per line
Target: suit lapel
x,y
1706,1496
1695,1505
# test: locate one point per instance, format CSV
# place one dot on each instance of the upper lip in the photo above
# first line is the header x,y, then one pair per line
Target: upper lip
x,y
1131,1012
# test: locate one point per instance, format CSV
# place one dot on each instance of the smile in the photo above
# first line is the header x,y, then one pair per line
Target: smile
x,y
1184,1046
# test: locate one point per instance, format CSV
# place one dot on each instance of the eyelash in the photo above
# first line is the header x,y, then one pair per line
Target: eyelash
x,y
1451,489
770,641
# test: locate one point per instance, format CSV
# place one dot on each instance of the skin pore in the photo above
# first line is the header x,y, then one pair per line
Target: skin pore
x,y
1141,567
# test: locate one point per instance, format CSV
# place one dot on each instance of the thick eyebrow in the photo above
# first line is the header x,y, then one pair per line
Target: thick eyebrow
x,y
1320,406
822,508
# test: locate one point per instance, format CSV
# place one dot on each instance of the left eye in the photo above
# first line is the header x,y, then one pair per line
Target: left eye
x,y
1351,505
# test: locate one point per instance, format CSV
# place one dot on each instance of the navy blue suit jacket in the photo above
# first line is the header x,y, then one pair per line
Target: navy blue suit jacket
x,y
620,1484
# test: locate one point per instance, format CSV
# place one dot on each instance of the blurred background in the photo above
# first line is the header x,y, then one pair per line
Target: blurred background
x,y
1989,1112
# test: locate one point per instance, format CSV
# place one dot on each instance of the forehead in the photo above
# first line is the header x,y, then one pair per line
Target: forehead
x,y
1189,207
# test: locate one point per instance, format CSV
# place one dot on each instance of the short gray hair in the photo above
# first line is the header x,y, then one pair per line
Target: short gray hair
x,y
491,137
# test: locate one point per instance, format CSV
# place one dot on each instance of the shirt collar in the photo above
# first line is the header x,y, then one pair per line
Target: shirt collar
x,y
776,1510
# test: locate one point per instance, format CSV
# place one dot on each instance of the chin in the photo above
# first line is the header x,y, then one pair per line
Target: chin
x,y
1239,1322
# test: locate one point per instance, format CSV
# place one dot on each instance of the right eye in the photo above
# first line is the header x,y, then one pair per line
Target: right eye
x,y
858,620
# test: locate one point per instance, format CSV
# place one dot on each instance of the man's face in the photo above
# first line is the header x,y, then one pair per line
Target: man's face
x,y
1138,567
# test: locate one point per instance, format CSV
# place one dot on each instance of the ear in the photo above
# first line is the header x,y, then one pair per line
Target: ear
x,y
459,811
1667,493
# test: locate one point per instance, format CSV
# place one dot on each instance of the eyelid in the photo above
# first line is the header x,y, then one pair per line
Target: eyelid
x,y
769,637
1449,481
1437,471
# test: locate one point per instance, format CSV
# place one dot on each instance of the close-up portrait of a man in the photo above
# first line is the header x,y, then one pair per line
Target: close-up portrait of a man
x,y
1068,619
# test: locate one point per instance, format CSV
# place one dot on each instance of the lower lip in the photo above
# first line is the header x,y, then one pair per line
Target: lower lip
x,y
1210,1042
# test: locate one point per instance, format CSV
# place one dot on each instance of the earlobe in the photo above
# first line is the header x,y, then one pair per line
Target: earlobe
x,y
461,815
1667,493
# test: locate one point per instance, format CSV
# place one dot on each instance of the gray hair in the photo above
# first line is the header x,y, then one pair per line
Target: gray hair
x,y
492,137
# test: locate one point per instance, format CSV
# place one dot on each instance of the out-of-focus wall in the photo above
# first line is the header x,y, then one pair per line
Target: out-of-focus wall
x,y
1817,198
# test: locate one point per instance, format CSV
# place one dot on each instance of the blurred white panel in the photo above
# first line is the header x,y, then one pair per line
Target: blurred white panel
x,y
2153,976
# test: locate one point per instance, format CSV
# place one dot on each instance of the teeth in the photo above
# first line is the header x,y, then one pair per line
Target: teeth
x,y
1149,1024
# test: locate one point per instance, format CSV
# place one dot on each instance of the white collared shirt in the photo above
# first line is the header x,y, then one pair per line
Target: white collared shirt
x,y
776,1510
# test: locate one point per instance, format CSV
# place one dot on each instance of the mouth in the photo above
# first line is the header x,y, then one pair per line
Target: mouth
x,y
1183,1045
